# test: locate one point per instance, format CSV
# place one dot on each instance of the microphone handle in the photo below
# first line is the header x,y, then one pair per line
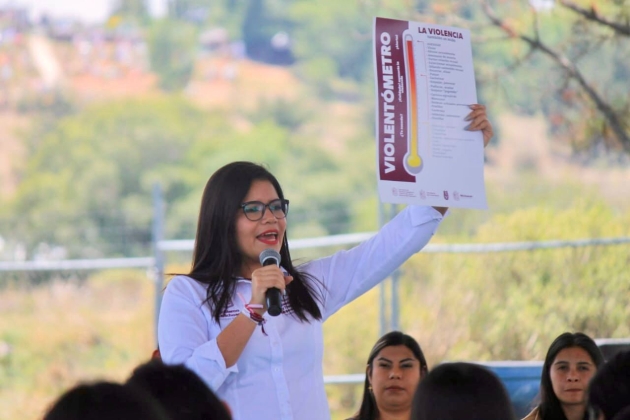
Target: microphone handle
x,y
274,303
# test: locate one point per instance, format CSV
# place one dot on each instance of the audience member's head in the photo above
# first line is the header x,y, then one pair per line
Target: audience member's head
x,y
181,392
609,391
571,362
106,401
394,367
461,391
623,414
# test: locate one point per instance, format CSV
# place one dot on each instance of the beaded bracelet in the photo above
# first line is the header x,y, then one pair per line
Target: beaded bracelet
x,y
254,316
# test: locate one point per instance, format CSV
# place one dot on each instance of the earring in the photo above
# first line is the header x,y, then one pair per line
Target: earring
x,y
370,388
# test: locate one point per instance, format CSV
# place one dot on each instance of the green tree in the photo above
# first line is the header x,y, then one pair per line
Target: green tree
x,y
172,50
262,21
87,184
195,11
136,9
587,105
336,30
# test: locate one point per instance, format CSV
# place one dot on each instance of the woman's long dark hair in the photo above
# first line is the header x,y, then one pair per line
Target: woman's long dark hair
x,y
180,391
550,407
369,409
609,390
216,256
462,391
106,400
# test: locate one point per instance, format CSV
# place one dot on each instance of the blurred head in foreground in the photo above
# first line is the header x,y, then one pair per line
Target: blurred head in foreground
x,y
461,391
609,390
179,390
106,401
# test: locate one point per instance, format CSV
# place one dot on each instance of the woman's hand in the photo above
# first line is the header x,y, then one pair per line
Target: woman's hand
x,y
265,278
234,337
479,121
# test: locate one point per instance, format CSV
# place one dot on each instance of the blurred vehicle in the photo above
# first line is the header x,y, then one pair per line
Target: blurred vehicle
x,y
522,380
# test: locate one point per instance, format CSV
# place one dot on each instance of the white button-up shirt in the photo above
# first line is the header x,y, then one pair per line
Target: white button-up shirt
x,y
279,376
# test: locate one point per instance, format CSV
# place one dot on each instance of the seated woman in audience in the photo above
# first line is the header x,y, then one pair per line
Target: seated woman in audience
x,y
571,362
179,390
395,366
609,391
106,401
461,391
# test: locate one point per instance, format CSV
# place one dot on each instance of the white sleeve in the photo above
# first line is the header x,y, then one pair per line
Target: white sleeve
x,y
346,275
183,334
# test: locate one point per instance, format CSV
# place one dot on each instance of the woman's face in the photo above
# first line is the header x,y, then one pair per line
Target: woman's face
x,y
253,237
570,373
394,378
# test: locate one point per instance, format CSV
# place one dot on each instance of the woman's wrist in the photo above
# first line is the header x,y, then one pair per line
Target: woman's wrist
x,y
250,312
258,308
253,306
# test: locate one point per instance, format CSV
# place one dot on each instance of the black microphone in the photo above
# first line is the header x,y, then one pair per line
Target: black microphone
x,y
274,303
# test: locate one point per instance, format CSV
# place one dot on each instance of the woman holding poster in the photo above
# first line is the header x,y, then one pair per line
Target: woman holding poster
x,y
217,318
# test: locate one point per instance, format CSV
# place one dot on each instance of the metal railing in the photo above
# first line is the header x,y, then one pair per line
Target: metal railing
x,y
156,263
322,241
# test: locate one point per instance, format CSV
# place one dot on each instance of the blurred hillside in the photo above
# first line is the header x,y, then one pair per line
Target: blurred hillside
x,y
97,114
58,74
49,72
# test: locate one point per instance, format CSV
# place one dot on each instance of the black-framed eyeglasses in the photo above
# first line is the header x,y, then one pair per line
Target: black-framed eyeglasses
x,y
255,210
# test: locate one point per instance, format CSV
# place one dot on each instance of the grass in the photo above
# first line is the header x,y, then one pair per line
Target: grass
x,y
58,334
64,332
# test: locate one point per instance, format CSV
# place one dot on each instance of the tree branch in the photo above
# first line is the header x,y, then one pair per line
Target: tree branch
x,y
572,71
593,15
502,73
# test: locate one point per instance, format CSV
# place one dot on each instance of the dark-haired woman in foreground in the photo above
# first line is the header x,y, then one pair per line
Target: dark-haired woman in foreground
x,y
609,390
461,391
180,391
395,366
106,401
571,362
215,321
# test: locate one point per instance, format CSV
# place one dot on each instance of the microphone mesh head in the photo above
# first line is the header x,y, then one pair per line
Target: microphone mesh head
x,y
267,254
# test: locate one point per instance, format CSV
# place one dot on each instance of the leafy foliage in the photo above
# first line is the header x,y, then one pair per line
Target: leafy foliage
x,y
563,51
87,184
260,24
510,306
172,53
498,306
134,9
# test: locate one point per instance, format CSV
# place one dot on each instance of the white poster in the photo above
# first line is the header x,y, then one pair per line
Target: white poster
x,y
425,83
